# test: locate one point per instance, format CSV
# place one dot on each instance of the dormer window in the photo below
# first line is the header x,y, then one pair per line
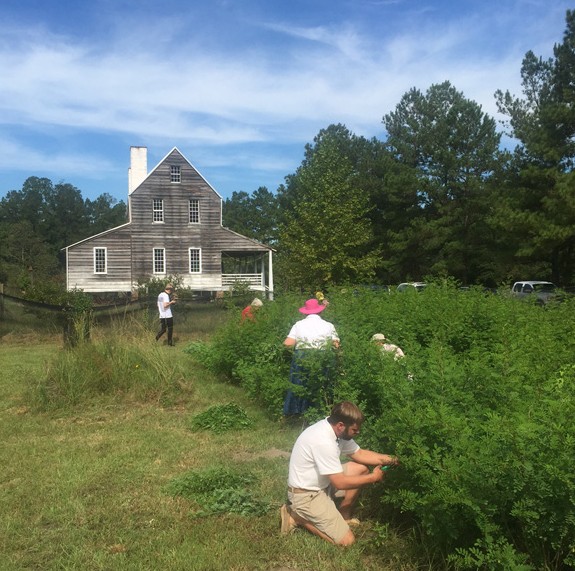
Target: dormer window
x,y
175,174
158,210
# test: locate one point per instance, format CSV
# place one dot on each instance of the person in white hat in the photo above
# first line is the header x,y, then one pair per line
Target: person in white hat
x,y
380,340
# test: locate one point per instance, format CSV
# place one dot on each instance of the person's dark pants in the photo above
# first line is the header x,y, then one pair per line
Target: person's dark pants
x,y
312,369
167,323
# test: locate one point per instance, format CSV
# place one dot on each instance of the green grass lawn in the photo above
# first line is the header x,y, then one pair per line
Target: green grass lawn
x,y
85,486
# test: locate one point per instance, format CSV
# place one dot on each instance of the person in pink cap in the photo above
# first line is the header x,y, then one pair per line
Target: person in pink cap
x,y
307,338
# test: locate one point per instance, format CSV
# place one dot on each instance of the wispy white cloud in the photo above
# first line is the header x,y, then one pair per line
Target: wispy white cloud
x,y
64,84
14,155
344,39
168,80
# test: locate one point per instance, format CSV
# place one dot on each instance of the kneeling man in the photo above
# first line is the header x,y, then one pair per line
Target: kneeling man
x,y
316,475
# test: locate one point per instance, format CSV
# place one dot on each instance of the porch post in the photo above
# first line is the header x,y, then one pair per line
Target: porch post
x,y
270,277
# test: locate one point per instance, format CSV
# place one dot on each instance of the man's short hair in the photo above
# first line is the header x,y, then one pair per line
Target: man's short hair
x,y
346,412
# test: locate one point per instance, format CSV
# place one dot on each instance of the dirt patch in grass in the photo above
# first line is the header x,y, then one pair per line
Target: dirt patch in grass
x,y
267,454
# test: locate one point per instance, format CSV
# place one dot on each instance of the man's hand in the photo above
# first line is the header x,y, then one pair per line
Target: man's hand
x,y
377,474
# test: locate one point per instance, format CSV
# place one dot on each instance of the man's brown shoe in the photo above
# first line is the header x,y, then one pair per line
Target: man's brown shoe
x,y
288,523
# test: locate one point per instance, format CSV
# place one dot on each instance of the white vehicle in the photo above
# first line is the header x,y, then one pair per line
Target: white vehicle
x,y
542,290
418,286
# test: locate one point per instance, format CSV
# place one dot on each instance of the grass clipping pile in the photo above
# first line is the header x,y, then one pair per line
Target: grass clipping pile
x,y
221,418
219,490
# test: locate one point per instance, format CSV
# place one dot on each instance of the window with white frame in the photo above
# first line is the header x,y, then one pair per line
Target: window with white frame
x,y
100,261
194,211
195,261
158,210
159,260
175,173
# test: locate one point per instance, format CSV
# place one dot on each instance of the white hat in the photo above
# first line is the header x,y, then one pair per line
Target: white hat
x,y
378,337
256,302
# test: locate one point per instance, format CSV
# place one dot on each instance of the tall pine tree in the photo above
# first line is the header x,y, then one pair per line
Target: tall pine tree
x,y
537,206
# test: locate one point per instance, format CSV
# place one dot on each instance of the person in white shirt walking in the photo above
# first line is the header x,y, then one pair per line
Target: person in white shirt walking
x,y
316,474
166,317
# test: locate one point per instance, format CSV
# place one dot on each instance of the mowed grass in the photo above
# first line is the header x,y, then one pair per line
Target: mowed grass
x,y
85,486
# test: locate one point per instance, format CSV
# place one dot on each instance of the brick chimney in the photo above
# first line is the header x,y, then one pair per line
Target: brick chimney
x,y
138,170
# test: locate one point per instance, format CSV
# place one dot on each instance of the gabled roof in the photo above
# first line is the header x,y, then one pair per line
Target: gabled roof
x,y
183,157
252,240
96,235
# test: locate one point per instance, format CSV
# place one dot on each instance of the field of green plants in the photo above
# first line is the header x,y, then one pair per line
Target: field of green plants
x,y
123,453
480,411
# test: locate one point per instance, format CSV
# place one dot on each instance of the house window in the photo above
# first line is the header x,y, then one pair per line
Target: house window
x,y
158,210
100,261
175,174
159,260
195,261
194,211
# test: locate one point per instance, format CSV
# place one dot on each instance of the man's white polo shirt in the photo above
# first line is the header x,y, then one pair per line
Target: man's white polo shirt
x,y
316,455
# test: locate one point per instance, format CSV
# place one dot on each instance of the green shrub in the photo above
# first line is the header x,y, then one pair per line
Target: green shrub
x,y
489,555
480,411
153,286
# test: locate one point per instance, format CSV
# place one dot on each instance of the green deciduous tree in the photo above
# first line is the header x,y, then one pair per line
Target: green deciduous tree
x,y
104,213
56,213
326,235
66,218
28,204
254,216
25,258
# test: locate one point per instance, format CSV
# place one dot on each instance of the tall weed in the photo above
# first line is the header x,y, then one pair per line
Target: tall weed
x,y
124,361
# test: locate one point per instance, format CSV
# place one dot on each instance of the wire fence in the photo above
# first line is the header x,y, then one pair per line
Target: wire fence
x,y
19,316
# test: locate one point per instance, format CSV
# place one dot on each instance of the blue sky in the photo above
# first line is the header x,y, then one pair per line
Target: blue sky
x,y
239,86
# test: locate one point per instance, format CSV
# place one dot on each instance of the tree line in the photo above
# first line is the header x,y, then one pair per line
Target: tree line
x,y
39,220
439,196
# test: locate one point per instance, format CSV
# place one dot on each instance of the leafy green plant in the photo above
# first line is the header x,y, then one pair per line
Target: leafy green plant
x,y
218,491
489,555
240,288
381,534
151,287
221,418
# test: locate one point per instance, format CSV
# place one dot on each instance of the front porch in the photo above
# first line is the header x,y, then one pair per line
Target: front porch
x,y
249,270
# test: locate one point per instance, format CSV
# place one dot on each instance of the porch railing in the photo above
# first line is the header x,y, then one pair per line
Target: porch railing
x,y
250,279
